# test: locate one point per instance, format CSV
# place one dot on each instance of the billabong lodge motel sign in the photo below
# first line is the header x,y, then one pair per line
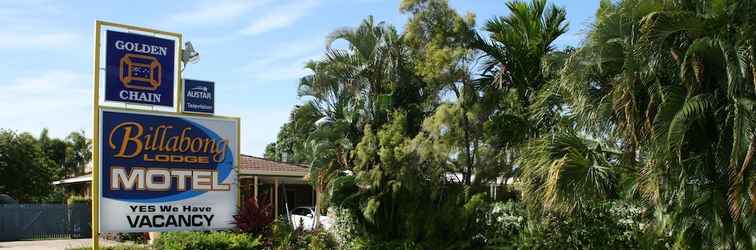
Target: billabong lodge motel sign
x,y
164,170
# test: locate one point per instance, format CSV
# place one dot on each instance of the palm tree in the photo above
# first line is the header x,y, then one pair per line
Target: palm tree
x,y
672,83
519,42
518,65
330,155
712,44
349,88
565,171
334,130
368,65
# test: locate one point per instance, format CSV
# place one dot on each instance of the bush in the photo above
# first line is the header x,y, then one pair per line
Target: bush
x,y
504,223
139,238
56,196
75,199
254,217
345,229
608,225
206,241
285,237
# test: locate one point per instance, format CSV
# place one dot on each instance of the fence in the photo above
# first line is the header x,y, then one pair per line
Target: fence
x,y
44,221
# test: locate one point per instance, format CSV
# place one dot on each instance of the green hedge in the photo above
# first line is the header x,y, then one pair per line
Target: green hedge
x,y
206,241
77,199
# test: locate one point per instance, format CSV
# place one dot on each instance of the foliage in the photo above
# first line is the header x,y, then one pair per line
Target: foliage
x,y
138,238
345,229
254,216
565,171
206,240
29,165
75,199
671,84
655,109
26,173
503,223
291,142
602,226
285,237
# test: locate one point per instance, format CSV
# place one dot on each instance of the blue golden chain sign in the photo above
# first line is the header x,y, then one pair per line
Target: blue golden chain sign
x,y
140,69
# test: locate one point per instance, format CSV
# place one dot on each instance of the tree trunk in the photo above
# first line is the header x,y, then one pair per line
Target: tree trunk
x,y
735,189
316,217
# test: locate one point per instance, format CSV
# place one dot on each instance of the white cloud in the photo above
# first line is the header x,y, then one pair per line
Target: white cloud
x,y
214,12
56,99
280,17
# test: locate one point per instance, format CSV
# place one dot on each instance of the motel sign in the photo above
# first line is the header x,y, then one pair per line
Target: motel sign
x,y
157,170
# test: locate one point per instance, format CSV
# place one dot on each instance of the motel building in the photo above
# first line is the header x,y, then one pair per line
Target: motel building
x,y
282,183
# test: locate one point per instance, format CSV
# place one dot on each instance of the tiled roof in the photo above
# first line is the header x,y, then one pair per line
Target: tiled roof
x,y
261,164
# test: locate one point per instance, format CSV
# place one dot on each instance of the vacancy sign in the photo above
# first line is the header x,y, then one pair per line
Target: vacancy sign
x,y
167,171
140,69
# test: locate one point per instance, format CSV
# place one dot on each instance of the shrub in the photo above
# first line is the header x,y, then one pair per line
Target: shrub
x,y
56,196
285,237
504,223
206,241
139,238
75,199
345,229
254,217
319,240
608,225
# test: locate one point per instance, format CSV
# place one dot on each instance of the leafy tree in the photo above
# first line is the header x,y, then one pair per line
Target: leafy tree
x,y
293,136
25,173
29,165
78,153
564,172
671,83
655,107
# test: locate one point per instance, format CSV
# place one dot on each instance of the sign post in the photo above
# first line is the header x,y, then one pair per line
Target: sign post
x,y
157,171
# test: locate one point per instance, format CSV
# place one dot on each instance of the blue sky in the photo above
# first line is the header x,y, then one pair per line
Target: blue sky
x,y
254,51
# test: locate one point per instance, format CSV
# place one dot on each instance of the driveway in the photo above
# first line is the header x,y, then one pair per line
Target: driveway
x,y
52,244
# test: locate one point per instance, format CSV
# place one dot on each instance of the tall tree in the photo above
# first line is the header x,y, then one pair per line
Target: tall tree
x,y
25,172
78,153
671,82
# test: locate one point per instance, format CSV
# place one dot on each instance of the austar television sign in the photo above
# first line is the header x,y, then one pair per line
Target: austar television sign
x,y
199,96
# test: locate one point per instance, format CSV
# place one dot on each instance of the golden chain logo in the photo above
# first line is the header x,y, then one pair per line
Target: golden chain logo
x,y
140,72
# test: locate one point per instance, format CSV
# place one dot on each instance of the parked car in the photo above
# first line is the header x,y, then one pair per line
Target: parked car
x,y
305,216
